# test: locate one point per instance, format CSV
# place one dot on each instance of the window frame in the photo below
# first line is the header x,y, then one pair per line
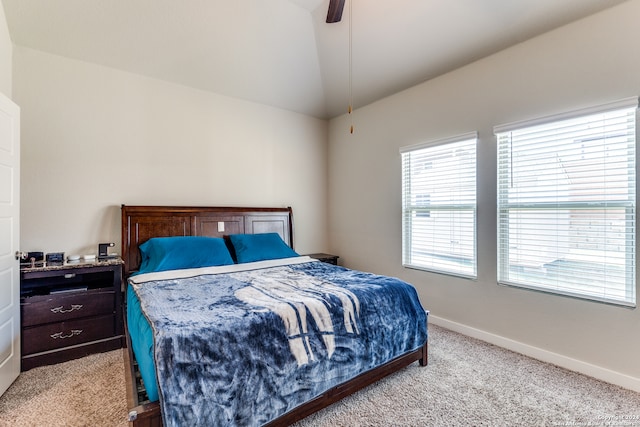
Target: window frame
x,y
427,210
629,206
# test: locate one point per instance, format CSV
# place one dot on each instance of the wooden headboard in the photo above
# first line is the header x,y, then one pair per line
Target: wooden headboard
x,y
140,223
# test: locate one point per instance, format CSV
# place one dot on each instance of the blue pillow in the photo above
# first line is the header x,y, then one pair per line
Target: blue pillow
x,y
260,247
175,253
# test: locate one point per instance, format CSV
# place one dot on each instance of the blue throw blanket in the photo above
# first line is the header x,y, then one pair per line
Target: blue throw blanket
x,y
244,344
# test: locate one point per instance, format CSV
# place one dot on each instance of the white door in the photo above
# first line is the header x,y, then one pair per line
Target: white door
x,y
9,242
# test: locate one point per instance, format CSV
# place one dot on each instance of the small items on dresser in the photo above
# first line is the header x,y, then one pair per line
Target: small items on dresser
x,y
31,259
103,251
55,258
79,259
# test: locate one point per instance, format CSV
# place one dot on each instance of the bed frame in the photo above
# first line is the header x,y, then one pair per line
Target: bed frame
x,y
140,223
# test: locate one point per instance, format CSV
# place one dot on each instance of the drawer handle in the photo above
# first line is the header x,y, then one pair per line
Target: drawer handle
x,y
70,275
62,336
61,310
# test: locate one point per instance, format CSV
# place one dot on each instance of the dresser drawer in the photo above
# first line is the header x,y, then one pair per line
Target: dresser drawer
x,y
59,307
63,334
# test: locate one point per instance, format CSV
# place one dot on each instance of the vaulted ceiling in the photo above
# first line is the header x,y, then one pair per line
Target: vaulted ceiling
x,y
281,52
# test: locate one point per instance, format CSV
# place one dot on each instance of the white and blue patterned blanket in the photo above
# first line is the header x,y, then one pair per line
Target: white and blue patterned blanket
x,y
244,344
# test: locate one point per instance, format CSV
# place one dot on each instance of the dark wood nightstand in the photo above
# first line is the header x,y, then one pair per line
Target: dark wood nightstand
x,y
70,311
328,258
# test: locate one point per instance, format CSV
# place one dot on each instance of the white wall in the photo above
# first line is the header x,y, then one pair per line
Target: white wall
x,y
587,63
6,52
94,138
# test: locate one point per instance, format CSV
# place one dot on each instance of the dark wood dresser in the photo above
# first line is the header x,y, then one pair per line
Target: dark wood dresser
x,y
69,311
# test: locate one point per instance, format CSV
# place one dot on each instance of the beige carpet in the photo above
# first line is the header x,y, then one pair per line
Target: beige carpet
x,y
467,383
82,392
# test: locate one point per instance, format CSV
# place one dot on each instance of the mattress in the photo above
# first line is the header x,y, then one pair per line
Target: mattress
x,y
141,337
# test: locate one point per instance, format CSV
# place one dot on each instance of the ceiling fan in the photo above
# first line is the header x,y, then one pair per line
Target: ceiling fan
x,y
335,11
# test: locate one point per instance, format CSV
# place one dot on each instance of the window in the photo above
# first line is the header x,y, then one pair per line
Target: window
x,y
567,203
439,206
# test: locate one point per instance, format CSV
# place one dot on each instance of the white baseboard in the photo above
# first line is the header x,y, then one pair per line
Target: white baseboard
x,y
575,365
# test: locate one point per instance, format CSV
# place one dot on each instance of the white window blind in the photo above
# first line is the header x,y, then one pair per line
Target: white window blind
x,y
567,203
439,206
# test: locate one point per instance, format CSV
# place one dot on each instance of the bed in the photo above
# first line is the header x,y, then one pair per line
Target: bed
x,y
218,348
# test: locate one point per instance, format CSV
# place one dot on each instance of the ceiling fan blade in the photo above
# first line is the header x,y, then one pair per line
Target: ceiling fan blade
x,y
335,11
